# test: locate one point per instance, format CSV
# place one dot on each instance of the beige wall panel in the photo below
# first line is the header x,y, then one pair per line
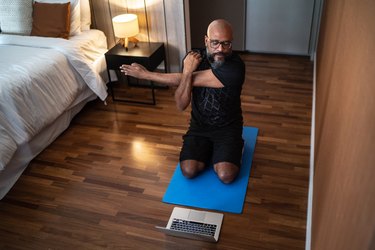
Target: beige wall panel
x,y
103,19
176,35
344,188
118,7
138,7
156,21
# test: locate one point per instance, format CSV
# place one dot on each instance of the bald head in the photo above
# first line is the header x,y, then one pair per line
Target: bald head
x,y
220,28
218,42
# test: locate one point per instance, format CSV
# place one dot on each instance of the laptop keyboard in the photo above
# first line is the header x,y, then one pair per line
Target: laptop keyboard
x,y
193,227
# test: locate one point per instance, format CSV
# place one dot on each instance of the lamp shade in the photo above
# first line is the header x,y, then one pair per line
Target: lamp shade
x,y
125,25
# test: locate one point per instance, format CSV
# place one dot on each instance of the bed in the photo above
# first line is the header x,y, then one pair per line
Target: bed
x,y
44,82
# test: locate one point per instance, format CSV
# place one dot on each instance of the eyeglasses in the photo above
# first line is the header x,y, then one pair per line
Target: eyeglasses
x,y
216,43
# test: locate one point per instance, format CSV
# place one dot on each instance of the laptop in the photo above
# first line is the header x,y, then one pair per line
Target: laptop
x,y
194,224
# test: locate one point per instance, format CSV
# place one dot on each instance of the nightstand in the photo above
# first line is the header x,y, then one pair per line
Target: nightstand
x,y
148,54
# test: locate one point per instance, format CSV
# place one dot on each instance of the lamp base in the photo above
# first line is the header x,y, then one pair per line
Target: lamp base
x,y
133,40
125,42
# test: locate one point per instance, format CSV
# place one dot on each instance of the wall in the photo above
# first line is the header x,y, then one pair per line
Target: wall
x,y
159,21
282,27
343,214
202,12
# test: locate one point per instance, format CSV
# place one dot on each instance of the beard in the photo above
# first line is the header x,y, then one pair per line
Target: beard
x,y
218,62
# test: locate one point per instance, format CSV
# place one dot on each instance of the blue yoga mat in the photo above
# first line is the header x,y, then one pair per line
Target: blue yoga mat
x,y
207,191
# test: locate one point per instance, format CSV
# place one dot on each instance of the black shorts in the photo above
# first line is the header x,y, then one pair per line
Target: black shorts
x,y
213,146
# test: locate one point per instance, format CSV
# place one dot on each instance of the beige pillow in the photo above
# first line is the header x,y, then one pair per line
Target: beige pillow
x,y
51,20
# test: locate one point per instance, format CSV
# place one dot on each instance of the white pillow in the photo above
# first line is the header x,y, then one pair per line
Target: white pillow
x,y
85,15
16,16
75,14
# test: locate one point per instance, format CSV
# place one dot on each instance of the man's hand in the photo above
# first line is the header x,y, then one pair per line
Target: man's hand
x,y
191,62
136,70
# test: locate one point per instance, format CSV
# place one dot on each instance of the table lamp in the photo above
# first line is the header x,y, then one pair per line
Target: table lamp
x,y
125,26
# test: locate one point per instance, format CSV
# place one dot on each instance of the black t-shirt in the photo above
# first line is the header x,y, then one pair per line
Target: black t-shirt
x,y
218,107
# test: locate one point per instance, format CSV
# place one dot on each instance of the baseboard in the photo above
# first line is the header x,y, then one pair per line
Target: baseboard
x,y
312,154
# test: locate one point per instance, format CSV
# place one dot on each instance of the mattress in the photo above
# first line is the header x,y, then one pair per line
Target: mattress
x,y
41,80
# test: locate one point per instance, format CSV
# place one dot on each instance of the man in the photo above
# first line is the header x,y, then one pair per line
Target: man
x,y
211,80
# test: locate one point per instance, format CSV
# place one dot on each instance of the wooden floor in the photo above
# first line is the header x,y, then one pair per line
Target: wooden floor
x,y
100,184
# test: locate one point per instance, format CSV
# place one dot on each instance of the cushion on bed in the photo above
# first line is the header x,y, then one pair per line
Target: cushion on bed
x,y
75,14
51,20
85,15
15,16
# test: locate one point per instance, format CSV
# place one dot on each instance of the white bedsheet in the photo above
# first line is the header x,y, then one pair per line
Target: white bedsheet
x,y
80,50
7,148
40,78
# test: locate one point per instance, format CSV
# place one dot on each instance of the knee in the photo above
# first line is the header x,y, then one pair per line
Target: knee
x,y
226,177
190,169
226,173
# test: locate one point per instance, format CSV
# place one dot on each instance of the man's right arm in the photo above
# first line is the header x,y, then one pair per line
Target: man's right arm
x,y
183,81
138,71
